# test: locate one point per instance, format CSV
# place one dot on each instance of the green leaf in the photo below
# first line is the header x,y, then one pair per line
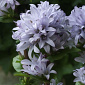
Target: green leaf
x,y
30,0
8,16
76,2
17,63
67,69
5,19
61,53
64,70
21,74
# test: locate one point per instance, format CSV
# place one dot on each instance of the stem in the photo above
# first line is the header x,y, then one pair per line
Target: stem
x,y
26,54
19,53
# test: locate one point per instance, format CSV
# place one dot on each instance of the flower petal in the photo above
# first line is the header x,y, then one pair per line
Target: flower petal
x,y
36,50
50,42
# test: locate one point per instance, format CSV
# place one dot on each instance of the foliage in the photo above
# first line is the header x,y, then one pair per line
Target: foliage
x,y
16,63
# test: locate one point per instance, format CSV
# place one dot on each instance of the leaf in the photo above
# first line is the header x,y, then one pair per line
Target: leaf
x,y
76,2
5,19
67,69
61,53
64,70
17,63
30,0
21,74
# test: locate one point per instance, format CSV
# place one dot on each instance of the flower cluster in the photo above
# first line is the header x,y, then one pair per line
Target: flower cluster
x,y
38,66
45,26
5,4
81,59
77,21
8,3
80,74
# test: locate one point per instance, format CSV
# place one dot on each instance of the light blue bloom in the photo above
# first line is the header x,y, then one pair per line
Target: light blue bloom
x,y
81,59
44,27
37,66
34,28
77,21
8,3
80,75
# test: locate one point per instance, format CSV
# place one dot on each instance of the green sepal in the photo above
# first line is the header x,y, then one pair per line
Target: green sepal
x,y
61,53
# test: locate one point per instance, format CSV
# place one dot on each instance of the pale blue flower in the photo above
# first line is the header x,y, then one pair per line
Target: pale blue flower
x,y
42,27
81,59
77,21
8,3
34,28
77,16
53,82
80,75
37,66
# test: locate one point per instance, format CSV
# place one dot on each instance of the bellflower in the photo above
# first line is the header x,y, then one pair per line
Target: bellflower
x,y
77,21
81,58
62,37
38,28
80,75
53,82
37,66
8,3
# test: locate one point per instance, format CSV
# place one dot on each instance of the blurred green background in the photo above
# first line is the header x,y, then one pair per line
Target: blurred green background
x,y
8,45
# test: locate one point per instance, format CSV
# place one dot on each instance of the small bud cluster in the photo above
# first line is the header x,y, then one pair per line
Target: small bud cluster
x,y
38,66
5,4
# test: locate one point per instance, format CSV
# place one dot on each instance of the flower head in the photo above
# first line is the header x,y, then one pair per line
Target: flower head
x,y
37,66
41,27
81,58
77,21
80,75
8,3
